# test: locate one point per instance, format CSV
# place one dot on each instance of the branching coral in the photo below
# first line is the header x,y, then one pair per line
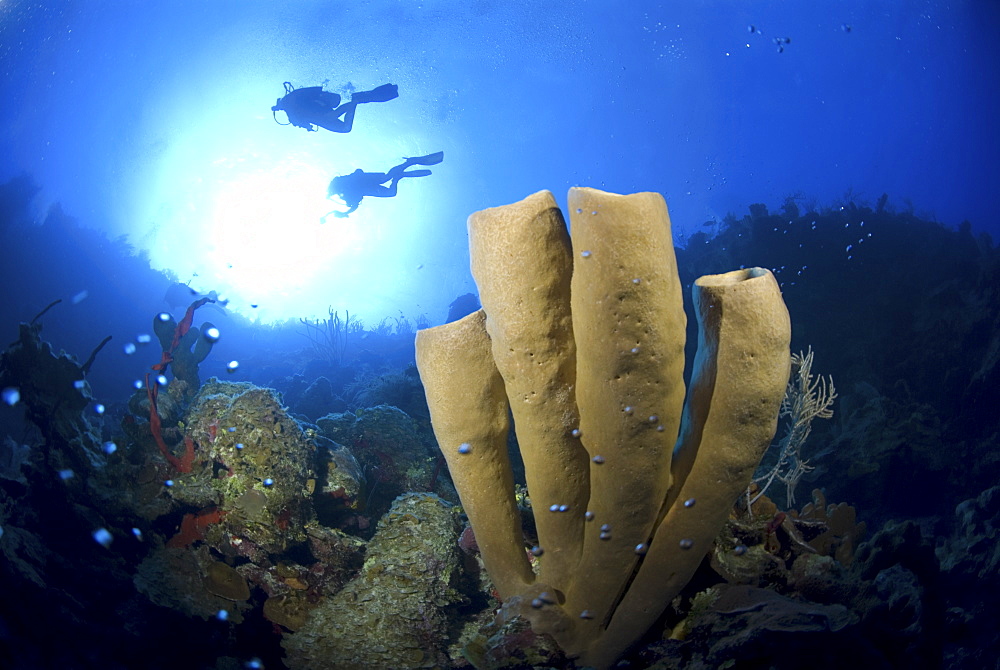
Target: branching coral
x,y
329,336
807,397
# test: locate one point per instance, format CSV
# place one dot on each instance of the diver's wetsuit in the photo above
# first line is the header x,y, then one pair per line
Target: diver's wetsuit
x,y
312,106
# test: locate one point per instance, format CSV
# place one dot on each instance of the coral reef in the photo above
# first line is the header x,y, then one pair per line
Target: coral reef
x,y
394,613
251,502
747,626
317,400
254,463
585,346
193,583
784,605
394,455
970,562
55,393
401,389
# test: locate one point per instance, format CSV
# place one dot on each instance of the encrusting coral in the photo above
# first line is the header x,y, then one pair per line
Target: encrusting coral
x,y
583,342
393,613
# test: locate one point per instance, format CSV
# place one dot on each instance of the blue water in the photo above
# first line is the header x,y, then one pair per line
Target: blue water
x,y
153,120
851,148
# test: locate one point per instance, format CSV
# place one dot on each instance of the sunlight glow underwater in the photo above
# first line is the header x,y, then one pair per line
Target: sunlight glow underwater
x,y
266,242
249,226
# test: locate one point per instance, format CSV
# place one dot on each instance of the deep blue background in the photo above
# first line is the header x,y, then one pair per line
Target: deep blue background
x,y
153,120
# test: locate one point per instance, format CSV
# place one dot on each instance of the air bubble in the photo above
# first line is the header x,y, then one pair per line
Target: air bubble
x,y
103,537
11,395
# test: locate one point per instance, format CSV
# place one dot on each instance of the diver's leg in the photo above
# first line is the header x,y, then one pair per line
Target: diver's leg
x,y
400,170
429,159
388,191
397,171
348,115
332,121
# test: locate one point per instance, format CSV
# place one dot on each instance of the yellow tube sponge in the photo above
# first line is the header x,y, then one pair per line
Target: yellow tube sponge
x,y
584,338
522,264
470,423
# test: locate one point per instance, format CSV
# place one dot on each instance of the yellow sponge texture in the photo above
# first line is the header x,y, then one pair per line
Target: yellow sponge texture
x,y
582,337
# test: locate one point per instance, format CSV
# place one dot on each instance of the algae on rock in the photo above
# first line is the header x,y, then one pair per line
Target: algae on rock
x,y
394,613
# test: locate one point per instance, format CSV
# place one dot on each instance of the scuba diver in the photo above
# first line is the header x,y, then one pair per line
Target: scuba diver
x,y
352,188
312,106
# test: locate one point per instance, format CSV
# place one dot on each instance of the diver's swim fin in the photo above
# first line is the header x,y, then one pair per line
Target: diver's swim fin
x,y
429,159
383,93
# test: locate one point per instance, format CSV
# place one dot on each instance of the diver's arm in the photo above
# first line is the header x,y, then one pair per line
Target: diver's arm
x,y
344,215
340,214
